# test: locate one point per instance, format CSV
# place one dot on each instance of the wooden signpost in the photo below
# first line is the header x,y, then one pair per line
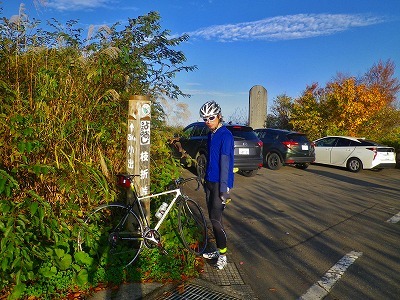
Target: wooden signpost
x,y
138,145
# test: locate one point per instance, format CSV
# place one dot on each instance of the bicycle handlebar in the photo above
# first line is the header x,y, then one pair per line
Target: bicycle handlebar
x,y
181,181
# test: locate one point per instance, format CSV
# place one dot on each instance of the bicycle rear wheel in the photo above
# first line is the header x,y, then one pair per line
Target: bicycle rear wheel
x,y
112,234
192,225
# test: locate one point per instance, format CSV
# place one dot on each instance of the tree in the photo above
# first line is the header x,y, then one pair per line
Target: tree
x,y
381,76
281,112
63,111
350,106
239,116
306,115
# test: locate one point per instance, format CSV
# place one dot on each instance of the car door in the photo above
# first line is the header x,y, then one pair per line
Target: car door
x,y
323,148
194,138
341,151
269,139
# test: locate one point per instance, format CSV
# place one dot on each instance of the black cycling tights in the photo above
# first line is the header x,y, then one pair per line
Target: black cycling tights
x,y
215,208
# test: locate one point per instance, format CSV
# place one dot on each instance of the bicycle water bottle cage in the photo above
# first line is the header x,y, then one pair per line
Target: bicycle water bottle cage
x,y
124,180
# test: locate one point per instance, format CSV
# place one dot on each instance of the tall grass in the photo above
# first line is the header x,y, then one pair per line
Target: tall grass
x,y
63,126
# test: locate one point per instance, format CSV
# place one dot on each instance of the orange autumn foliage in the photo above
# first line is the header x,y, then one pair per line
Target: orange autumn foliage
x,y
349,106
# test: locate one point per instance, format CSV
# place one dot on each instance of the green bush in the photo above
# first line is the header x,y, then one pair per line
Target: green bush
x,y
63,127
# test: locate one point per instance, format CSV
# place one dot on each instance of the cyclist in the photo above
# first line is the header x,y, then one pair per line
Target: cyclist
x,y
218,176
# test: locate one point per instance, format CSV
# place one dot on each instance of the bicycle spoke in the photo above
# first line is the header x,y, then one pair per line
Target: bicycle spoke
x,y
113,235
192,226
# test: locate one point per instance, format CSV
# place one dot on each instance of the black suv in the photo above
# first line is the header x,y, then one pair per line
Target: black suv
x,y
285,147
247,147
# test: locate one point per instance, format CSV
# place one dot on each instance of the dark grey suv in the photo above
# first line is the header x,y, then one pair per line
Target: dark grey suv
x,y
285,147
247,152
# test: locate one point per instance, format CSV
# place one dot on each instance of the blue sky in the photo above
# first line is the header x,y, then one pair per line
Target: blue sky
x,y
283,45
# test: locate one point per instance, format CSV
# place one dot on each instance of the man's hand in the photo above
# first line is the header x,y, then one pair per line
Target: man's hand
x,y
226,198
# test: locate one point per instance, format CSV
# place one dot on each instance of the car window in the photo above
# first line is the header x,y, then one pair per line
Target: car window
x,y
243,132
260,134
187,132
267,136
272,136
367,143
343,142
300,138
205,131
197,131
326,142
354,143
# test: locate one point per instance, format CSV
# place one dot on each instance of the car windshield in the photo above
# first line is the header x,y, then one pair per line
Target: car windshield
x,y
300,138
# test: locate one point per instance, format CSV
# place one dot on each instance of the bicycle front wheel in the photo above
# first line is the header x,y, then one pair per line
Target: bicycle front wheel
x,y
112,234
192,225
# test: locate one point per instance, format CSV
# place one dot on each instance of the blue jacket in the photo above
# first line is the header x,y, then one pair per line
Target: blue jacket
x,y
220,158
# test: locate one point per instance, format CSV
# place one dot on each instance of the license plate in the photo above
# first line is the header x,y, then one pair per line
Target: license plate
x,y
304,147
244,151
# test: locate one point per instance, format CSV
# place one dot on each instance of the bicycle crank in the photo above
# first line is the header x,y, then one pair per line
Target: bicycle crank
x,y
152,239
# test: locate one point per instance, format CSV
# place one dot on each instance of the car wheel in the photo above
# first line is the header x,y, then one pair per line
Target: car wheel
x,y
302,166
274,161
250,173
354,165
201,165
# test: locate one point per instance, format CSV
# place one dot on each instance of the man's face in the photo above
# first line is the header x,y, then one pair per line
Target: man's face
x,y
212,122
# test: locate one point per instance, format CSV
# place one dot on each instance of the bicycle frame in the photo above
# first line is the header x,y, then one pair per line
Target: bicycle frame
x,y
127,181
130,227
140,199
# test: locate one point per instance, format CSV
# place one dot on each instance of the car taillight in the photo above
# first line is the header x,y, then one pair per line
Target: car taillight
x,y
290,144
312,145
260,144
373,149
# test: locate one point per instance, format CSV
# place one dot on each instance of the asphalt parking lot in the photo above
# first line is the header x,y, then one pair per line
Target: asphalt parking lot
x,y
317,233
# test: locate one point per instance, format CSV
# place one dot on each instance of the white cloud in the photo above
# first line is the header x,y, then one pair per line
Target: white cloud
x,y
208,93
286,27
64,5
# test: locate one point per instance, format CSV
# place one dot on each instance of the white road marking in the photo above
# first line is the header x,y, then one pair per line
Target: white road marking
x,y
320,289
394,219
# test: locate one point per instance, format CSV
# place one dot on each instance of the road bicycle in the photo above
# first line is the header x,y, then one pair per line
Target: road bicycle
x,y
117,232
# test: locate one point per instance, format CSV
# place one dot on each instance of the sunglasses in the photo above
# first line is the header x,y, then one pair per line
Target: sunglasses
x,y
212,118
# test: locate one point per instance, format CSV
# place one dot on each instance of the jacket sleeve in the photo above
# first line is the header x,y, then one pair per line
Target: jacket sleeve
x,y
224,173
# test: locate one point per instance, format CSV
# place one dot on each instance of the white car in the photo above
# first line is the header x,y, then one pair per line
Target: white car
x,y
353,153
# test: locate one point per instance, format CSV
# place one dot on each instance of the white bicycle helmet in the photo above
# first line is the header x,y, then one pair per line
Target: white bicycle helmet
x,y
210,108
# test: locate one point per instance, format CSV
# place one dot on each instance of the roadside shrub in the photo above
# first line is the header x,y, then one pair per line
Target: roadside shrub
x,y
63,130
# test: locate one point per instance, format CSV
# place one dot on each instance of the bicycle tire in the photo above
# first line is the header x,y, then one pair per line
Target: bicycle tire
x,y
112,234
192,225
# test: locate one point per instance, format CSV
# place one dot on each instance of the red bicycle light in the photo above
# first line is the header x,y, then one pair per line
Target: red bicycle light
x,y
124,181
